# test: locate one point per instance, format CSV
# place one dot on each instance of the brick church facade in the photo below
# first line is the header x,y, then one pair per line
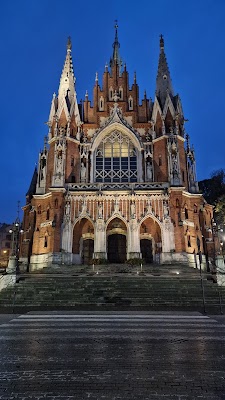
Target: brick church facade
x,y
115,180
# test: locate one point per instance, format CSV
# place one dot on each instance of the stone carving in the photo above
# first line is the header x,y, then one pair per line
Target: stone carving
x,y
149,172
100,210
82,172
132,210
165,209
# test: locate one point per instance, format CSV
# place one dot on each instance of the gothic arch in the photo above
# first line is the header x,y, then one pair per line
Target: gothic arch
x,y
114,216
116,156
116,126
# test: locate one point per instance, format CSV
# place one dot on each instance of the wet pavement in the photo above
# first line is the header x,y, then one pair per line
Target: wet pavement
x,y
112,356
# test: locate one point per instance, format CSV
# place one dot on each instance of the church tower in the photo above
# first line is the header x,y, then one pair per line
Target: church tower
x,y
116,179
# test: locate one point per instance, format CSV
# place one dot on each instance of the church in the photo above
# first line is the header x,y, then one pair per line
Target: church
x,y
116,179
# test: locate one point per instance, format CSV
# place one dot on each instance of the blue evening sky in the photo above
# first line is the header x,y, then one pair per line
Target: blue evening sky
x,y
33,35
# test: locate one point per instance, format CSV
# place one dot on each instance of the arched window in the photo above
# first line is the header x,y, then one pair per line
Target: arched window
x,y
72,161
160,160
101,104
116,159
130,103
39,209
177,203
47,214
186,213
56,203
121,93
46,240
195,208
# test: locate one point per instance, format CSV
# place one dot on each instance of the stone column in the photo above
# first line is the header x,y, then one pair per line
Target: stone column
x,y
100,239
133,240
168,243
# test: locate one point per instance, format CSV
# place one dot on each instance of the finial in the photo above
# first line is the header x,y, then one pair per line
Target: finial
x,y
69,44
161,42
96,77
54,95
86,94
125,66
145,94
135,77
116,24
106,67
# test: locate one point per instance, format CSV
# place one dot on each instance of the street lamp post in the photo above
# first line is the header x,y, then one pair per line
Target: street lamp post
x,y
13,265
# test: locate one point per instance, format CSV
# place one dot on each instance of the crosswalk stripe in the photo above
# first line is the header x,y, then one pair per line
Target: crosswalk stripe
x,y
118,316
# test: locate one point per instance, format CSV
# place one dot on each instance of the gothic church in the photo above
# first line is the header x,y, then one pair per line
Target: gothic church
x,y
116,179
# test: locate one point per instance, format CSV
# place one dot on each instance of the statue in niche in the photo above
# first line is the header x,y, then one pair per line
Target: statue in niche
x,y
67,208
132,210
100,210
175,165
165,209
149,206
59,162
149,172
84,207
116,205
82,172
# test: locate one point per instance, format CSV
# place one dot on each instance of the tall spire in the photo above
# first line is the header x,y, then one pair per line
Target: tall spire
x,y
116,59
67,80
163,80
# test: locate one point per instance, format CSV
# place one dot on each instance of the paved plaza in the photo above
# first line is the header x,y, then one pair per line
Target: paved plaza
x,y
112,356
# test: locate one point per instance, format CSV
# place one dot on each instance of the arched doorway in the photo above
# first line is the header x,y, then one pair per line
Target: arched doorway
x,y
87,251
150,240
146,250
117,241
116,248
83,241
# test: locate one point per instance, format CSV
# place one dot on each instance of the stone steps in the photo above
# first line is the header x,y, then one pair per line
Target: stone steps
x,y
162,288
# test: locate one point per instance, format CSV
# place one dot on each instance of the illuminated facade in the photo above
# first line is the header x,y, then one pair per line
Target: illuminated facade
x,y
116,180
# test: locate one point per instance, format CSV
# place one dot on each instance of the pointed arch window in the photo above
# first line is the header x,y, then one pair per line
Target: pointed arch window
x,y
116,159
130,103
111,93
121,93
101,104
47,214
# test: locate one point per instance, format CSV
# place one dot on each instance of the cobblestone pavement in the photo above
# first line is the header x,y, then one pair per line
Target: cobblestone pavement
x,y
112,356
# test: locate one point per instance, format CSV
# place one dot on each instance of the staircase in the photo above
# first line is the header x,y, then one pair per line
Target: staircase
x,y
112,287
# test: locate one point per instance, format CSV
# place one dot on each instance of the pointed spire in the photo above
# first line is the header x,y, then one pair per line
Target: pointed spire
x,y
67,80
163,80
116,59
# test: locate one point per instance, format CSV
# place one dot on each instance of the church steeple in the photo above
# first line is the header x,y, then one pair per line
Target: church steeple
x,y
67,80
116,59
163,80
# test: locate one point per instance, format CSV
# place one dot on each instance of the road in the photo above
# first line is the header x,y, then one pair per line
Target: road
x,y
112,356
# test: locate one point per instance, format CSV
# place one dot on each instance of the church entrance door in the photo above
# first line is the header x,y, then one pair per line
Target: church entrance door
x,y
88,249
146,250
117,248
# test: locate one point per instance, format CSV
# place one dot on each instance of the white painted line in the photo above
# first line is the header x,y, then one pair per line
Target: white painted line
x,y
114,316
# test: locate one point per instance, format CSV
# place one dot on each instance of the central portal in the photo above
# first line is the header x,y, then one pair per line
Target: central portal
x,y
117,248
146,250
